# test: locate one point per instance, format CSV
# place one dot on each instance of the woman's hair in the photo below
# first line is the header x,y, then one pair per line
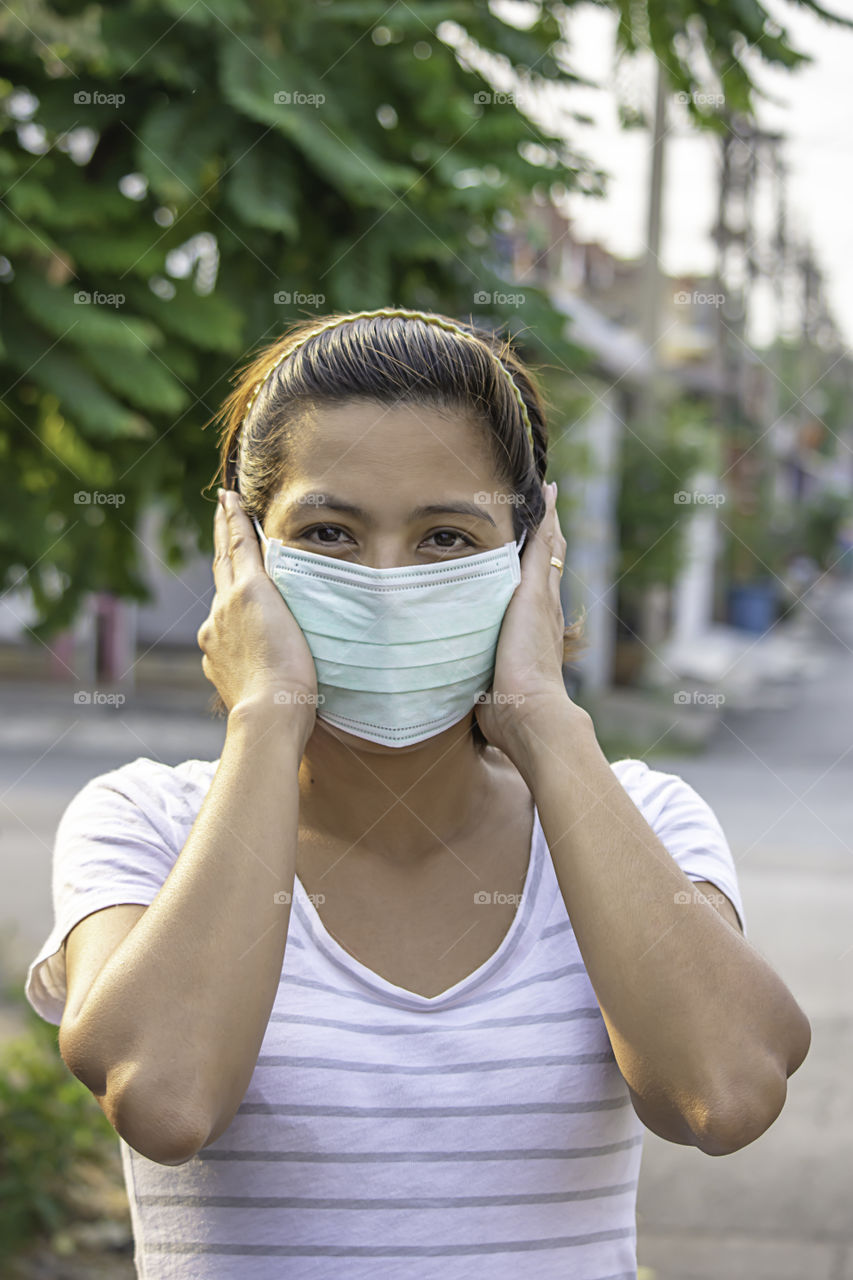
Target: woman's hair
x,y
390,357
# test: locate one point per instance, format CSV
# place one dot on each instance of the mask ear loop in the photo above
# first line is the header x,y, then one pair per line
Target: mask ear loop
x,y
520,542
263,539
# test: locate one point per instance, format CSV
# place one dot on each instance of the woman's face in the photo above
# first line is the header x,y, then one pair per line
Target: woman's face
x,y
386,487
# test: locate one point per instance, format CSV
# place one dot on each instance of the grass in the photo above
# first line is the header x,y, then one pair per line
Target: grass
x,y
61,1183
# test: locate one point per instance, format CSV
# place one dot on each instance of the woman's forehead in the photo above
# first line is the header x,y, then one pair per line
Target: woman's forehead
x,y
394,433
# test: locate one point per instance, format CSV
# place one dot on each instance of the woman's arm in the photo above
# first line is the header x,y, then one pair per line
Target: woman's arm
x,y
171,1028
704,1031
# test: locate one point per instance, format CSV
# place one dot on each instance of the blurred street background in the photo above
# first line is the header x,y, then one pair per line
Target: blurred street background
x,y
651,204
777,773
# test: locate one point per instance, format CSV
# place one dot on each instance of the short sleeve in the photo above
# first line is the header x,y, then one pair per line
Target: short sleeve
x,y
116,842
685,824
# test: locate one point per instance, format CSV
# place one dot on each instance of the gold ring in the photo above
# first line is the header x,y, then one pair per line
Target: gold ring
x,y
558,564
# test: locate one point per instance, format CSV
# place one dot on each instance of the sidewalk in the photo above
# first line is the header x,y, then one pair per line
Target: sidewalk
x,y
677,706
50,746
779,776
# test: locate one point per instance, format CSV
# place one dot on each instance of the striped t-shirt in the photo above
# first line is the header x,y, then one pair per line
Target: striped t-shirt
x,y
474,1133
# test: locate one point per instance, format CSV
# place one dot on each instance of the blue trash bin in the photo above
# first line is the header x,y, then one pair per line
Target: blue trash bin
x,y
752,606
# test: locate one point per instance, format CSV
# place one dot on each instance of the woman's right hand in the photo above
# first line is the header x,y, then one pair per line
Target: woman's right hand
x,y
254,650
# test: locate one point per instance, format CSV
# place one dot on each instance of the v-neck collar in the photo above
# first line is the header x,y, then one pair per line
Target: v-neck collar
x,y
515,943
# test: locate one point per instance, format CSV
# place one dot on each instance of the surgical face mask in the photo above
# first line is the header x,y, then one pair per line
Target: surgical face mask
x,y
402,653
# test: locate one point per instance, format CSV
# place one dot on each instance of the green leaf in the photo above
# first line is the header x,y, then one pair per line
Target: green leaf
x,y
231,13
30,200
177,144
17,237
419,19
261,188
89,320
78,209
211,322
250,77
139,378
80,395
360,276
151,46
139,250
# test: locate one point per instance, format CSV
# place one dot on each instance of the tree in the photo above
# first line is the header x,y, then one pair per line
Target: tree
x,y
181,178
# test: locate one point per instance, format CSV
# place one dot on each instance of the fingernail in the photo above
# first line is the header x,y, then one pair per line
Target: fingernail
x,y
220,494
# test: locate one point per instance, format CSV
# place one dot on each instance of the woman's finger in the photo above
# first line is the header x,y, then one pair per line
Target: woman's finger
x,y
244,550
558,551
543,539
556,546
223,573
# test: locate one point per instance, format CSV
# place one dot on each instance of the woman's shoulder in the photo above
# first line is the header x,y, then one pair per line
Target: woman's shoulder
x,y
633,773
654,791
147,772
147,784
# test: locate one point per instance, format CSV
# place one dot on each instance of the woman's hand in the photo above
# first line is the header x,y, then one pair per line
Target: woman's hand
x,y
528,677
254,650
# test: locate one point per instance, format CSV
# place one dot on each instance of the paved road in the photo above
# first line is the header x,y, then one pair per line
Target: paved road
x,y
50,747
781,782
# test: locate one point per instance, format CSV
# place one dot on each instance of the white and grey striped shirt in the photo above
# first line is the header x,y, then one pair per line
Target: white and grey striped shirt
x,y
384,1133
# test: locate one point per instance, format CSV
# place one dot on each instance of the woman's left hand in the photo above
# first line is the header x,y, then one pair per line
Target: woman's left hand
x,y
529,662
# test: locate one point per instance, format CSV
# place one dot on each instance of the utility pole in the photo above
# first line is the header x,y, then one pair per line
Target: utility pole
x,y
653,624
649,397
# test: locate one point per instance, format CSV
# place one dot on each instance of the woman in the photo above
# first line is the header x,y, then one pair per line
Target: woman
x,y
411,965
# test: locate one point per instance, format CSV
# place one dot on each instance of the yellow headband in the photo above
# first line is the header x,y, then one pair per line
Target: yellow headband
x,y
428,318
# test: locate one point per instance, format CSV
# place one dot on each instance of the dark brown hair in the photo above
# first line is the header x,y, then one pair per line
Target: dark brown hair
x,y
389,359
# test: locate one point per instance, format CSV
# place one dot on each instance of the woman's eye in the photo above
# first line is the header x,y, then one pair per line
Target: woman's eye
x,y
458,538
324,528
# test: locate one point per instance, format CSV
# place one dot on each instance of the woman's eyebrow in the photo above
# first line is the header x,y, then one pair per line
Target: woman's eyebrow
x,y
317,499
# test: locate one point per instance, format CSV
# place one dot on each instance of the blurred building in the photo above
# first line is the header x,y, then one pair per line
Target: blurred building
x,y
796,447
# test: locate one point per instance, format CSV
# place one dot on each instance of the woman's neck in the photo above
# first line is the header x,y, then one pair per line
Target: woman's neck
x,y
397,803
